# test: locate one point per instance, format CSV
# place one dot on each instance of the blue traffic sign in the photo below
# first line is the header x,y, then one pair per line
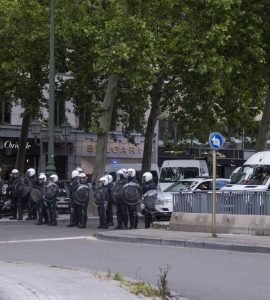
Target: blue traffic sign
x,y
216,140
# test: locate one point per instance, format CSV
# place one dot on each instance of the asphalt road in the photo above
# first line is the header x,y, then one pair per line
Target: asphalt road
x,y
194,273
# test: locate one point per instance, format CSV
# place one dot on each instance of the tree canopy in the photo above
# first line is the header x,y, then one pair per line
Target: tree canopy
x,y
203,63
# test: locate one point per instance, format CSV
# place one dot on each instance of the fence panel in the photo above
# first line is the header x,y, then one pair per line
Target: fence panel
x,y
233,202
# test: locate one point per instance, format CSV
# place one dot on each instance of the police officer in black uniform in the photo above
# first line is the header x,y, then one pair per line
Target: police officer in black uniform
x,y
84,206
31,204
121,207
102,198
42,213
74,207
51,204
109,211
16,203
133,208
148,185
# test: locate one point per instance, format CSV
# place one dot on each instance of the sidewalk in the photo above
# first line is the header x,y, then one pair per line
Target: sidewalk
x,y
31,281
163,237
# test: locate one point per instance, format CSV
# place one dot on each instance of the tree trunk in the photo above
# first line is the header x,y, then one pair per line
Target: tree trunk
x,y
20,158
155,97
105,124
263,127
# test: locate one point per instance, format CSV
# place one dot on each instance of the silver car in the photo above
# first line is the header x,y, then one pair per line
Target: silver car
x,y
164,202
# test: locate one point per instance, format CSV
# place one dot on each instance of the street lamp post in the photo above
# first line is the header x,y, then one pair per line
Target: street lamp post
x,y
50,167
36,124
65,131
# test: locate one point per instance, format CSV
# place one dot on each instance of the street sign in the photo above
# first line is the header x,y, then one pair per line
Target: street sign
x,y
216,140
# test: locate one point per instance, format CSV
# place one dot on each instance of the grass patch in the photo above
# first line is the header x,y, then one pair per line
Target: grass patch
x,y
137,288
143,288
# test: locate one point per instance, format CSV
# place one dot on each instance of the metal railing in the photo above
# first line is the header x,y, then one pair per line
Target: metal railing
x,y
233,202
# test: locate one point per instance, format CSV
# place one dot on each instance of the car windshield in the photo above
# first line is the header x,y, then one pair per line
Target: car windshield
x,y
173,174
252,175
182,186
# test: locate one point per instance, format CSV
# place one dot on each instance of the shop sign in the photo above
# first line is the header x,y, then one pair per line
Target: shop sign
x,y
14,145
127,149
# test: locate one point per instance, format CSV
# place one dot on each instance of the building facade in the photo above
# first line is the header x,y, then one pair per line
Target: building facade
x,y
79,150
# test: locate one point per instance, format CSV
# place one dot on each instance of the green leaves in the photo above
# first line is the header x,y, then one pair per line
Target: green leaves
x,y
213,54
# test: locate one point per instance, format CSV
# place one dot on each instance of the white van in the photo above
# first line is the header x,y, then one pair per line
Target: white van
x,y
253,175
113,168
174,170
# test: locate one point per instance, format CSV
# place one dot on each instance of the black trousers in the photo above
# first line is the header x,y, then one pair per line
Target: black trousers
x,y
74,213
14,207
121,213
83,215
109,213
133,215
20,203
42,213
102,215
51,208
148,219
31,209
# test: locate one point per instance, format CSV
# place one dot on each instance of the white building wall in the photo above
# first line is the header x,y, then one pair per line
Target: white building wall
x,y
16,112
70,115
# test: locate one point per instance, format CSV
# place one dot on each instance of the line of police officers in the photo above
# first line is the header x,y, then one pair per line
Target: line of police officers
x,y
126,193
40,196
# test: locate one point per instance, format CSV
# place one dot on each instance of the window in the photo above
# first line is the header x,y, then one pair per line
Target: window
x,y
172,174
59,116
252,175
5,113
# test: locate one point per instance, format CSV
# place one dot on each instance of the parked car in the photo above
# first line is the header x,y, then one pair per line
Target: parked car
x,y
164,206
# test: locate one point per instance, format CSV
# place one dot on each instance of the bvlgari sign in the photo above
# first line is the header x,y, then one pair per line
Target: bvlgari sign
x,y
119,149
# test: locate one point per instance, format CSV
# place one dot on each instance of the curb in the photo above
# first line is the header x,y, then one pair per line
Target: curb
x,y
186,243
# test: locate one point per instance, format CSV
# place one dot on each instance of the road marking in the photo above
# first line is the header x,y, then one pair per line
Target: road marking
x,y
49,239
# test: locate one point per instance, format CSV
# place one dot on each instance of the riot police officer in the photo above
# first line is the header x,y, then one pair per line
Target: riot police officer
x,y
83,202
102,197
148,185
51,193
31,204
109,211
74,208
132,208
16,200
42,213
121,207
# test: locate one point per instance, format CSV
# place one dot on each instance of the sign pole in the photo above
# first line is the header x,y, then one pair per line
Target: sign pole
x,y
214,195
216,141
